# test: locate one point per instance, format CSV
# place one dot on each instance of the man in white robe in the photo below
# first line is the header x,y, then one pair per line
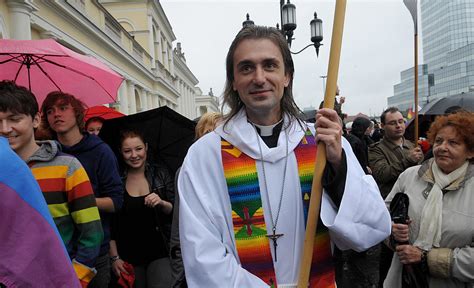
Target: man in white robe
x,y
263,124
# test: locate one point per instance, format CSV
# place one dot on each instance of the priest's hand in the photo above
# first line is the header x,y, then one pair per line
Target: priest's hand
x,y
329,130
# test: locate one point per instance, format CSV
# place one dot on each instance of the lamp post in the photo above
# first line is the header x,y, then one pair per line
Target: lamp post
x,y
324,81
288,25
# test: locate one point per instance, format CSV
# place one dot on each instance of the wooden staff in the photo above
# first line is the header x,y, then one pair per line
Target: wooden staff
x,y
412,6
316,190
416,87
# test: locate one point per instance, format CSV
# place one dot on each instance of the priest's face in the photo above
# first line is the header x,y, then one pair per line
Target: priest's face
x,y
260,79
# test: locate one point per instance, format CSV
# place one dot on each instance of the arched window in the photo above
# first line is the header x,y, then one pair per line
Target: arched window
x,y
127,24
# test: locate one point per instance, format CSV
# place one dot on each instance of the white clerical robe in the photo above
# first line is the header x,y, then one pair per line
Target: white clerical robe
x,y
206,230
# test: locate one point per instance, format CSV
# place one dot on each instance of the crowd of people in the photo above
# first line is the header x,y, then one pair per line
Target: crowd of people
x,y
234,215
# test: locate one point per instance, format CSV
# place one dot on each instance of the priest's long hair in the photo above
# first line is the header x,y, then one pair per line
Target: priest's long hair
x,y
231,97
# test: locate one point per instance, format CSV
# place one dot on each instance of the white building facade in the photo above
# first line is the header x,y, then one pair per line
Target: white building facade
x,y
134,38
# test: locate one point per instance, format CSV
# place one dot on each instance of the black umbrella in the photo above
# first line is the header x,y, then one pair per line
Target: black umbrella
x,y
168,134
424,122
439,107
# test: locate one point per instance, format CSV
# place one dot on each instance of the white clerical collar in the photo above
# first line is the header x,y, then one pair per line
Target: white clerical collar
x,y
266,130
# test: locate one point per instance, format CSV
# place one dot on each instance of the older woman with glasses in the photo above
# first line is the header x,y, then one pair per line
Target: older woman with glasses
x,y
439,237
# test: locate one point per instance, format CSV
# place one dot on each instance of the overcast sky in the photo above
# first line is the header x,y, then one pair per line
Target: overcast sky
x,y
377,45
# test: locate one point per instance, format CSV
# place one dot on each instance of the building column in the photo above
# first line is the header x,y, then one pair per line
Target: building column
x,y
172,61
20,18
189,97
180,97
143,100
151,41
148,100
151,100
123,98
154,98
131,97
186,100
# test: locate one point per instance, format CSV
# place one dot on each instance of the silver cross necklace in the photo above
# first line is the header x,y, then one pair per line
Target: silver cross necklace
x,y
274,236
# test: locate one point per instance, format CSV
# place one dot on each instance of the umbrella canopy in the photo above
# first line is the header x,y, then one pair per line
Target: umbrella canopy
x,y
439,107
168,134
424,122
427,114
102,112
44,66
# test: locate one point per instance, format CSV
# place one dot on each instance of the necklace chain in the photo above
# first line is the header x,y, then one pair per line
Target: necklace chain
x,y
274,223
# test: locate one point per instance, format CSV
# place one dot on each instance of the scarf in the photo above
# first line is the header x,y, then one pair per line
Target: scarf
x,y
432,214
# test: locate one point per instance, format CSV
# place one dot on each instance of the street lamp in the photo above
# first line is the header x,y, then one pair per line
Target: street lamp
x,y
247,22
288,20
288,25
316,32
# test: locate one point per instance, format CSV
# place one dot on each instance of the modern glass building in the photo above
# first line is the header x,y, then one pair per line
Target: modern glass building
x,y
448,52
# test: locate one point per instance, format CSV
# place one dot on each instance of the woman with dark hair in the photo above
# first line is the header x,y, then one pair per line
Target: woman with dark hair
x,y
359,139
141,230
439,235
94,124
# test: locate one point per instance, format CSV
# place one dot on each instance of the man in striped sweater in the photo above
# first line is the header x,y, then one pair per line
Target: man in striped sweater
x,y
62,179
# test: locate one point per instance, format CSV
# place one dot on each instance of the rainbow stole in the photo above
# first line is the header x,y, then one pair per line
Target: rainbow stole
x,y
250,230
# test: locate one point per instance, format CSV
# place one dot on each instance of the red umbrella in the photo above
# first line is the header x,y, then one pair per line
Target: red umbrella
x,y
103,112
45,65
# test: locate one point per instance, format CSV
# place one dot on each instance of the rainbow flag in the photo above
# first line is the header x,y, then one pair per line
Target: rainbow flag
x,y
410,114
32,253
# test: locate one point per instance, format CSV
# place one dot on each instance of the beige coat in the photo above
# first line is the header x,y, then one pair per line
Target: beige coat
x,y
452,267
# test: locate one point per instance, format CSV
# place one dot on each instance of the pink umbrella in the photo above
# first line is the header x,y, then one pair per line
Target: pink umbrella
x,y
45,65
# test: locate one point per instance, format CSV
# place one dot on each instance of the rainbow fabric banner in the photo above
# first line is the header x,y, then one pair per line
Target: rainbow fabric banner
x,y
250,230
32,253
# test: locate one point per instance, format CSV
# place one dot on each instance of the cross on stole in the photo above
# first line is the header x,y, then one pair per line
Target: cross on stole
x,y
274,237
247,220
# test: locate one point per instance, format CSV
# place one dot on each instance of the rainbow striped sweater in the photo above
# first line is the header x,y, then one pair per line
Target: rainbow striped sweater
x,y
70,200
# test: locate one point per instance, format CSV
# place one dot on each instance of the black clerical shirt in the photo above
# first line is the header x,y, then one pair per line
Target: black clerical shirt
x,y
334,181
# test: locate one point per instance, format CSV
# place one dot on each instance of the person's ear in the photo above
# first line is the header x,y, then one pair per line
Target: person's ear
x,y
470,155
37,120
287,80
146,147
